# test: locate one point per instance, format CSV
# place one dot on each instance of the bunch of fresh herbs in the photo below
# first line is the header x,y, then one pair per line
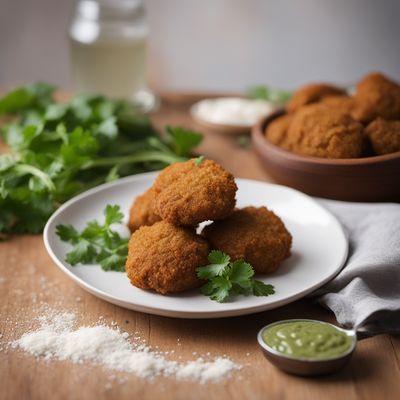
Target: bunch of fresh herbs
x,y
61,149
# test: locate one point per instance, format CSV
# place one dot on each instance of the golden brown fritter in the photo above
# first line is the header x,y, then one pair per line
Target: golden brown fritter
x,y
320,131
277,130
142,211
378,96
312,93
384,136
187,193
164,257
256,235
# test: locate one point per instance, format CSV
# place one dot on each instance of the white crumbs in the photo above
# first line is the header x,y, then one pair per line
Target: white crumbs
x,y
56,338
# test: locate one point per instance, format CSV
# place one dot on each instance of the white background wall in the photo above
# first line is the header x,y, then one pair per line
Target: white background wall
x,y
219,44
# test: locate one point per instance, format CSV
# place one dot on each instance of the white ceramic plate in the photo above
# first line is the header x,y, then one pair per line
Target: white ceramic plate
x,y
319,250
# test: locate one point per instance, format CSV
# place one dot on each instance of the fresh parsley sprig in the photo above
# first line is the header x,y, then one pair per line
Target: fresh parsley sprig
x,y
97,243
226,278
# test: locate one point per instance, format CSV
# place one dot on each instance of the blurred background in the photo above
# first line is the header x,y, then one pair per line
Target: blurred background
x,y
221,45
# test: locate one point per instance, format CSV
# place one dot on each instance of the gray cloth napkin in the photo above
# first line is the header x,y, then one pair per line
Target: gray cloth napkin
x,y
365,295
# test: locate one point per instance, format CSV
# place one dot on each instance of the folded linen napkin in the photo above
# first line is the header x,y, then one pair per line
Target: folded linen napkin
x,y
365,295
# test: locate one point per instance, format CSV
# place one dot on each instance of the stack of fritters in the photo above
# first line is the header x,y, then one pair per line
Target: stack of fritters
x,y
323,121
165,250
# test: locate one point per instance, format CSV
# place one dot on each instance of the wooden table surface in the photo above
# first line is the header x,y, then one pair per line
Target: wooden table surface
x,y
29,280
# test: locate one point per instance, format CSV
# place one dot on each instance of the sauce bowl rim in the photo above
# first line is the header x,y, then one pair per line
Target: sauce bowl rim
x,y
267,348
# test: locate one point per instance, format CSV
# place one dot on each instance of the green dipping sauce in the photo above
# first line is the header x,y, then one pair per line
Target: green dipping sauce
x,y
307,339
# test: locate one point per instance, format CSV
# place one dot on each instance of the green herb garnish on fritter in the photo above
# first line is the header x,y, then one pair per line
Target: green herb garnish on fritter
x,y
197,161
97,243
226,278
61,149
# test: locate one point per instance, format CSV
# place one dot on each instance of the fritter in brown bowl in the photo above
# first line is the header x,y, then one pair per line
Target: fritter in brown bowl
x,y
164,258
320,131
191,192
378,96
255,235
312,93
384,136
277,131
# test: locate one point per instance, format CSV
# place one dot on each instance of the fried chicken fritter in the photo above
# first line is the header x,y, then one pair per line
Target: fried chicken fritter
x,y
164,257
187,193
277,130
379,97
256,235
142,211
320,131
312,93
384,136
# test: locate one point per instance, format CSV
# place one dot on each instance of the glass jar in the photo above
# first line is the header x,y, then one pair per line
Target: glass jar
x,y
108,42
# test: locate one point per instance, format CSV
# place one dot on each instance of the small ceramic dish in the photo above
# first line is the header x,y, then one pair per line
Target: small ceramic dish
x,y
355,179
305,366
225,127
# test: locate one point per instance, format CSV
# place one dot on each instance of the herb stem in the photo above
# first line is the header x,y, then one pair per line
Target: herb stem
x,y
30,169
143,156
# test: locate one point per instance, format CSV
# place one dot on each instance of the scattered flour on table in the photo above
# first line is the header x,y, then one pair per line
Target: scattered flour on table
x,y
56,338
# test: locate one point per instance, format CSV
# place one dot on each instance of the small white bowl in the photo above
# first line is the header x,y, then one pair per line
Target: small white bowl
x,y
222,125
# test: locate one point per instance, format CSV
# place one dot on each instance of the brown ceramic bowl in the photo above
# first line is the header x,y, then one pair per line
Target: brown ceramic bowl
x,y
355,179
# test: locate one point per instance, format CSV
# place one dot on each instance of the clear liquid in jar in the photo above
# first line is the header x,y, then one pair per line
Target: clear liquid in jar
x,y
113,68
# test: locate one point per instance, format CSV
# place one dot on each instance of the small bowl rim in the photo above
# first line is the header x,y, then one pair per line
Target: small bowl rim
x,y
258,133
225,127
274,352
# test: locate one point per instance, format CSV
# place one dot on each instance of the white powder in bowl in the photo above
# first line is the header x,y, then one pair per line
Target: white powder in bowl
x,y
56,338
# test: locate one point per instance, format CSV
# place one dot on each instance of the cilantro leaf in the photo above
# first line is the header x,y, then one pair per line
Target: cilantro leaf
x,y
226,278
182,140
240,274
113,262
83,252
67,233
113,214
262,289
55,111
218,257
217,289
218,263
15,101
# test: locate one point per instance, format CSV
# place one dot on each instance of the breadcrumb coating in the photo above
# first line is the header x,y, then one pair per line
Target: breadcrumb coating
x,y
164,258
379,97
312,93
320,131
256,235
277,130
142,211
187,193
384,136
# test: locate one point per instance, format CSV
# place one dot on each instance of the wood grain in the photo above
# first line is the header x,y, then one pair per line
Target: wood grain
x,y
29,281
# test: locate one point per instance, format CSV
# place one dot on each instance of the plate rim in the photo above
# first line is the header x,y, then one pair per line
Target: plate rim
x,y
194,314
